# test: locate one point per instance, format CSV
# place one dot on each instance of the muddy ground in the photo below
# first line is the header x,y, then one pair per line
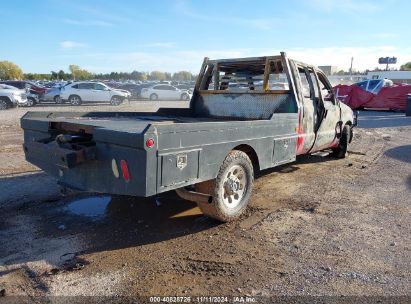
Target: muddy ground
x,y
319,226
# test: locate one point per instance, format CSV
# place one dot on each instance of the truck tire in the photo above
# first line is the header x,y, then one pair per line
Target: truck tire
x,y
231,189
341,150
74,100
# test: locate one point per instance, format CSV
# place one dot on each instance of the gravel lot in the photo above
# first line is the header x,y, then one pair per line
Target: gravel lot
x,y
319,226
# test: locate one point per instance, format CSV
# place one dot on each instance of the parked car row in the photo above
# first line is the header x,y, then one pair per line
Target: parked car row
x,y
77,93
134,89
32,91
165,91
137,89
11,97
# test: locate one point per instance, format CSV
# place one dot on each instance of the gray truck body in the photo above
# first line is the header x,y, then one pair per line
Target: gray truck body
x,y
271,125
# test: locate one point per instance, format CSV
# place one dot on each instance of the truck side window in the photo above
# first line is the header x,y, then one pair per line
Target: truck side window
x,y
315,83
304,83
326,90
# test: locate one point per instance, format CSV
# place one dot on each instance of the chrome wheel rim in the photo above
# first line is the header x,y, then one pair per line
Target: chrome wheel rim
x,y
30,102
234,186
57,99
74,100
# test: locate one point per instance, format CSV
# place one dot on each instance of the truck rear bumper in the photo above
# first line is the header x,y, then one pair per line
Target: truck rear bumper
x,y
97,169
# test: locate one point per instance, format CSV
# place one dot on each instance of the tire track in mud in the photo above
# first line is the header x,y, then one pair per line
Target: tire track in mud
x,y
315,186
367,147
342,213
203,267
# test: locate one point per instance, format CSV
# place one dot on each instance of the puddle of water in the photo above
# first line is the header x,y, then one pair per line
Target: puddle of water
x,y
94,206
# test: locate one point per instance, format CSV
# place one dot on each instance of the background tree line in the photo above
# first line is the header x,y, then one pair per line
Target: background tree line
x,y
11,71
406,67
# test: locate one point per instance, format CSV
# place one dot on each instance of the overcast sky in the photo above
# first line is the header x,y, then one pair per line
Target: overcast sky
x,y
167,35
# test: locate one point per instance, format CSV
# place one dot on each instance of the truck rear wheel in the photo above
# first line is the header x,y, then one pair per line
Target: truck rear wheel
x,y
341,150
231,189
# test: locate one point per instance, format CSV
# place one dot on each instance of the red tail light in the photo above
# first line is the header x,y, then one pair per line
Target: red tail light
x,y
124,169
150,143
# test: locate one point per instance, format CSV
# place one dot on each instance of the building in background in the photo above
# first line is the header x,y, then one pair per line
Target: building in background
x,y
346,79
396,76
329,69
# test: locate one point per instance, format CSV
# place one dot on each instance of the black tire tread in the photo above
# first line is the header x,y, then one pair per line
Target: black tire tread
x,y
341,150
211,187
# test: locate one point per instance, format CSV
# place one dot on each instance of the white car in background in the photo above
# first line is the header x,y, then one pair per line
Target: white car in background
x,y
80,92
11,97
165,92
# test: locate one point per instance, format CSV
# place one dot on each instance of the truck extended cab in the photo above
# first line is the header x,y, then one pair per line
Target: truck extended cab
x,y
246,114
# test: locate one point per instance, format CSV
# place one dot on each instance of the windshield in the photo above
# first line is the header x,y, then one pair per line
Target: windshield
x,y
372,86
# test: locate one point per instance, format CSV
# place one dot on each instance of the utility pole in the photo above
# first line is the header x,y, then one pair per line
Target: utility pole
x,y
352,59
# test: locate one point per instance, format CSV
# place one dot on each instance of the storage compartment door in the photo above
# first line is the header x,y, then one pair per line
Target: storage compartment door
x,y
179,167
